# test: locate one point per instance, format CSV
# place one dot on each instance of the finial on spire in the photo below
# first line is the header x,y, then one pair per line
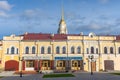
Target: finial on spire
x,y
62,11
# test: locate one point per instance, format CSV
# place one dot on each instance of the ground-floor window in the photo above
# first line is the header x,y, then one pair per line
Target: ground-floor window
x,y
30,63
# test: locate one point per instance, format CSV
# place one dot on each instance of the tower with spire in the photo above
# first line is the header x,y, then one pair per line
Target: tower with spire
x,y
62,25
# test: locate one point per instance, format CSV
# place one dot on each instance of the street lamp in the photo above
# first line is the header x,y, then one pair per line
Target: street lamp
x,y
21,59
91,58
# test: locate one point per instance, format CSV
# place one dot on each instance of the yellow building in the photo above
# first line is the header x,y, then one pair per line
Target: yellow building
x,y
61,51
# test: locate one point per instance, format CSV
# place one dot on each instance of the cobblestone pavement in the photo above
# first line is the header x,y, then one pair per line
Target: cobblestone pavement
x,y
78,76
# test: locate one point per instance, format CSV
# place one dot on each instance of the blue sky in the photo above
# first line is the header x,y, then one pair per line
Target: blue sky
x,y
98,16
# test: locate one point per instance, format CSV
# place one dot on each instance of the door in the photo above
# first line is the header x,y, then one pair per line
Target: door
x,y
109,65
11,65
93,64
45,65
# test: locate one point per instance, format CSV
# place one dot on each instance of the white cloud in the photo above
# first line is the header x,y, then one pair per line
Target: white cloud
x,y
4,5
3,14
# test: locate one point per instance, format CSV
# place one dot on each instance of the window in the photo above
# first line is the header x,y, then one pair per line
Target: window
x,y
105,50
27,50
12,50
57,50
7,50
17,51
87,50
119,50
42,50
33,50
111,50
60,65
92,50
96,50
49,50
72,50
78,50
30,63
64,50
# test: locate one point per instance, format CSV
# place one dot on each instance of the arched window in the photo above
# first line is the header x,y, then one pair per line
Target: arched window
x,y
33,50
49,50
111,50
12,50
78,50
92,50
27,50
72,50
42,50
64,50
119,50
57,49
105,50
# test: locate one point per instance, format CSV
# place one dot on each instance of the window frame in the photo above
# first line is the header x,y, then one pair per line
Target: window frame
x,y
78,49
27,50
33,50
72,50
49,50
63,49
42,50
57,50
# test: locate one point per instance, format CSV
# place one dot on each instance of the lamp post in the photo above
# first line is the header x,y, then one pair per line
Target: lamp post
x,y
21,59
91,58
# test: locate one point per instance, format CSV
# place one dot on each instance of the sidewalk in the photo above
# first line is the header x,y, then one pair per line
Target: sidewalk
x,y
8,73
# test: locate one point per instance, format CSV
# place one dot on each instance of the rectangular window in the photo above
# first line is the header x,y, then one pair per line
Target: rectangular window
x,y
17,50
30,63
7,50
96,50
87,50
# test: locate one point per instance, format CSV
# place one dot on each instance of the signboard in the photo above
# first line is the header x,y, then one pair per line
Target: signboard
x,y
68,58
36,57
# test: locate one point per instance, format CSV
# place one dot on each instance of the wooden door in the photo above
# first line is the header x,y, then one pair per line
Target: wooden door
x,y
93,66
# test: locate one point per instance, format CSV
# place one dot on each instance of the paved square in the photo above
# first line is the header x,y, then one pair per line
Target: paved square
x,y
79,76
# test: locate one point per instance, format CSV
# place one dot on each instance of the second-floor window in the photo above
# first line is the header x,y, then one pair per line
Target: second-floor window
x,y
96,50
78,50
87,50
49,50
12,50
7,50
33,50
92,50
57,49
27,50
119,50
111,50
17,51
42,50
64,50
72,50
105,50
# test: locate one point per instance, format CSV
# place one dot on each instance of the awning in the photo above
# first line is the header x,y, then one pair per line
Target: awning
x,y
68,58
